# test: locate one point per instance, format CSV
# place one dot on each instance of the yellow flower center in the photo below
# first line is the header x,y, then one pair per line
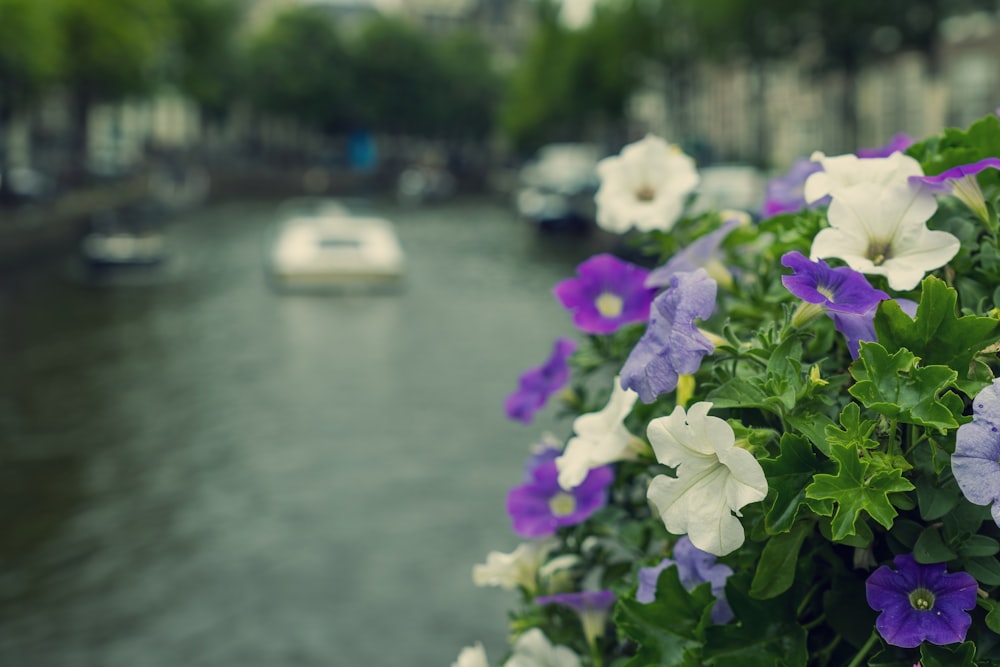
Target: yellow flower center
x,y
562,504
922,599
645,193
879,252
609,305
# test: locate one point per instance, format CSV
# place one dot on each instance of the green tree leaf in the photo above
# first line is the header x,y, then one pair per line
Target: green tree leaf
x,y
855,490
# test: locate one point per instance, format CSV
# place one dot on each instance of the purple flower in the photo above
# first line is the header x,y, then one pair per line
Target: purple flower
x,y
785,194
699,254
842,293
672,346
977,451
536,385
899,142
539,507
961,182
857,327
694,567
591,606
921,602
608,294
841,290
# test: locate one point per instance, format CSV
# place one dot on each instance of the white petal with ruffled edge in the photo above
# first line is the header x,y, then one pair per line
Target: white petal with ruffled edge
x,y
881,230
601,438
846,171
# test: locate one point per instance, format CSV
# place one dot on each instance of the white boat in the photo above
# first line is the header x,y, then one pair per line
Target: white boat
x,y
335,249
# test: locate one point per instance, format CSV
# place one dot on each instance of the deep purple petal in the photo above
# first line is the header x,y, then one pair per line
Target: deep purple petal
x,y
608,276
672,345
855,328
942,183
536,385
899,142
839,289
903,625
785,193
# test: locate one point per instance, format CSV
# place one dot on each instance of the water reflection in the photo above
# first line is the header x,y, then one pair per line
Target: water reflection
x,y
207,472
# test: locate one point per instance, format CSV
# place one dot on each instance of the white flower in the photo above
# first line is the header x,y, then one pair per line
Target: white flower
x,y
644,186
518,568
714,478
472,656
845,171
533,649
881,230
601,438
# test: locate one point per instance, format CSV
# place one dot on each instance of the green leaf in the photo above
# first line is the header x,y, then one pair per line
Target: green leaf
x,y
856,490
670,626
936,496
895,386
813,425
961,655
986,570
936,335
930,548
776,567
854,431
993,618
978,546
767,633
787,477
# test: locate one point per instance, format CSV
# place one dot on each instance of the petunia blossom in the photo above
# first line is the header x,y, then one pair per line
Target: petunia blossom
x,y
899,142
516,569
961,182
672,345
694,567
540,507
702,253
536,385
533,649
842,172
841,289
786,193
601,438
472,656
921,602
591,606
645,186
882,230
607,294
714,478
976,461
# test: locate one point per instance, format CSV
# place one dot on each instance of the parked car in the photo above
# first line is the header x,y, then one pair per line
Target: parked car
x,y
557,187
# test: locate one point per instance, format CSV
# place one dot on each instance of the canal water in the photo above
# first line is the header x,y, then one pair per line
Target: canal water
x,y
207,472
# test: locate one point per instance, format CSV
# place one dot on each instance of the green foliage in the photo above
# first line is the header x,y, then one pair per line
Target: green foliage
x,y
29,53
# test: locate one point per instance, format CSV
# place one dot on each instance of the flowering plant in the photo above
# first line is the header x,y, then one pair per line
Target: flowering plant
x,y
785,437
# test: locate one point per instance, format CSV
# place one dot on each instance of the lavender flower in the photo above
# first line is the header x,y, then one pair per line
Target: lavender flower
x,y
701,254
961,182
591,606
536,385
899,142
921,602
694,567
672,346
977,451
857,327
608,294
540,507
786,194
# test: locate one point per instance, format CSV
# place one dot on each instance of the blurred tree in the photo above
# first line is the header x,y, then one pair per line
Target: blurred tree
x,y
474,87
204,60
404,83
571,83
301,69
29,58
112,49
